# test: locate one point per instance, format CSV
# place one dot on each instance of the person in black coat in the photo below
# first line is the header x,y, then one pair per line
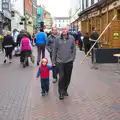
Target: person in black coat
x,y
93,38
8,45
86,43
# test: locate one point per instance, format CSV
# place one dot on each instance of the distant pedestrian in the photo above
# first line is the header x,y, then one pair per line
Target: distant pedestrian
x,y
94,36
8,45
64,52
43,73
80,43
49,46
86,42
41,38
26,49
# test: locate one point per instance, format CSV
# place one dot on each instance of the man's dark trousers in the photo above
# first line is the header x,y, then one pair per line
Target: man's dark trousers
x,y
40,49
55,70
65,71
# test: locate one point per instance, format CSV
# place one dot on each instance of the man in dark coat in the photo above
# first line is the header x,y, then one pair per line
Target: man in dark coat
x,y
94,36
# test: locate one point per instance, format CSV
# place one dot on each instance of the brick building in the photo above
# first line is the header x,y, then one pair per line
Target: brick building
x,y
28,15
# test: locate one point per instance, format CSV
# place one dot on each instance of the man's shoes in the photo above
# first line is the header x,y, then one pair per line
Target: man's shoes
x,y
61,97
66,94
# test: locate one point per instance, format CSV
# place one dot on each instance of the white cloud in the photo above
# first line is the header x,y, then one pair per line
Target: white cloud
x,y
58,8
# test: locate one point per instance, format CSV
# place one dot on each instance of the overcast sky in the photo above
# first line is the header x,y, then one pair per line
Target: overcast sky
x,y
58,8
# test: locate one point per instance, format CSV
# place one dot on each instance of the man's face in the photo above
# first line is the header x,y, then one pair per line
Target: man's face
x,y
64,31
54,31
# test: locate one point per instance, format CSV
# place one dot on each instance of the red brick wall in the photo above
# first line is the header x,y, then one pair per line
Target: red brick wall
x,y
28,6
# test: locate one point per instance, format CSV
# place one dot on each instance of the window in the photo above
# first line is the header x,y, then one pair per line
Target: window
x,y
92,2
86,3
82,4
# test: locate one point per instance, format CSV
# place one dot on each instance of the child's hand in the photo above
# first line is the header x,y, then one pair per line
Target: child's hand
x,y
37,78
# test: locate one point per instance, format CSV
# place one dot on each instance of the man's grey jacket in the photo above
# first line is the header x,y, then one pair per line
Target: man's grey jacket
x,y
50,43
64,50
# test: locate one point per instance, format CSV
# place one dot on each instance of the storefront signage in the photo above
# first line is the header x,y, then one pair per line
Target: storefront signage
x,y
89,16
96,13
104,10
116,35
114,4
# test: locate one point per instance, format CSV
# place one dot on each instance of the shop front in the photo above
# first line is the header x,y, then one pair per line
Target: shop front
x,y
100,15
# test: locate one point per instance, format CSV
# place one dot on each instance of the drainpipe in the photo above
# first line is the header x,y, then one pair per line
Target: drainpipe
x,y
25,22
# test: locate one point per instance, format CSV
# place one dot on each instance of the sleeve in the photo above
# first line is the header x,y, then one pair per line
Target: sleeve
x,y
45,38
21,45
13,42
74,49
49,67
54,51
48,45
30,44
18,39
38,73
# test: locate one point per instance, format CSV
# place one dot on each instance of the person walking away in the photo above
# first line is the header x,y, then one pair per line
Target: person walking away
x,y
19,37
26,49
86,43
41,38
64,52
49,46
80,43
8,45
43,73
94,36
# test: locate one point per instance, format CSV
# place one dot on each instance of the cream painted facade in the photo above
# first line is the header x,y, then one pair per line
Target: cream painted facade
x,y
30,26
15,21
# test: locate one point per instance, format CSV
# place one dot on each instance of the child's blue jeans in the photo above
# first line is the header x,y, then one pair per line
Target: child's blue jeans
x,y
45,85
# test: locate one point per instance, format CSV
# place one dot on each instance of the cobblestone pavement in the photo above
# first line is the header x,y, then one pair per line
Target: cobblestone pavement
x,y
14,89
93,95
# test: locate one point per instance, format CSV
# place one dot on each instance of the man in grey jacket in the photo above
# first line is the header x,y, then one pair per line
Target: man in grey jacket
x,y
64,53
49,46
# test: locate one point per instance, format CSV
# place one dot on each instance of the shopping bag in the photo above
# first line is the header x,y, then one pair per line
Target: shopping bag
x,y
32,58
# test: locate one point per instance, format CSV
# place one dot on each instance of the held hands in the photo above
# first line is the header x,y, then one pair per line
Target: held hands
x,y
53,65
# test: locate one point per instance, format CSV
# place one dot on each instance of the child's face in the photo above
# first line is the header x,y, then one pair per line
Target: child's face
x,y
44,63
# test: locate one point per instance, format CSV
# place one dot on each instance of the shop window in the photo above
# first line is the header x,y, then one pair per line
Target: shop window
x,y
118,15
98,23
110,15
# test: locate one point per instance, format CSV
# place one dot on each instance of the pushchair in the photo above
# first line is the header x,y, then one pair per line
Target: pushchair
x,y
17,51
